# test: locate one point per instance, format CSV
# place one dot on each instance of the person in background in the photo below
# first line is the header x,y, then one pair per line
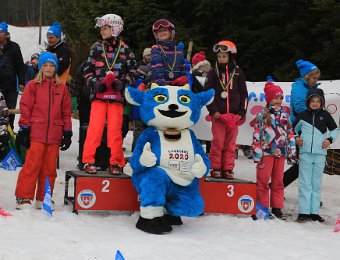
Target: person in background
x,y
31,68
310,75
273,140
146,58
227,109
167,61
59,48
45,125
109,69
311,130
12,51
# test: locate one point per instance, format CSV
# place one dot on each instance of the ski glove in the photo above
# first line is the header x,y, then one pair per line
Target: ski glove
x,y
4,139
99,87
117,85
66,142
23,137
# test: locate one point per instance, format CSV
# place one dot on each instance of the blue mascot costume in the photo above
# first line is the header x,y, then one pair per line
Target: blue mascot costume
x,y
168,160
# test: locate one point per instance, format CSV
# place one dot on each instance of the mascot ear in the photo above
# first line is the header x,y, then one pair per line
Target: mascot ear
x,y
206,97
134,96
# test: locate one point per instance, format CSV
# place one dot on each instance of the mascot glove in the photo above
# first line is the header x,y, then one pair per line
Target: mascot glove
x,y
148,158
100,87
198,169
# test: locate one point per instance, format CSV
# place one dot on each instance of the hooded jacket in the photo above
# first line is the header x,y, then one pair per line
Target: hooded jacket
x,y
312,125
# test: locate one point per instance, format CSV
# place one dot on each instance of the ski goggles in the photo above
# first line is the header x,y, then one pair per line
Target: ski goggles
x,y
223,48
162,23
110,22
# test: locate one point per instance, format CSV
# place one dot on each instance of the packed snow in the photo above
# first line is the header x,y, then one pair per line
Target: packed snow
x,y
31,234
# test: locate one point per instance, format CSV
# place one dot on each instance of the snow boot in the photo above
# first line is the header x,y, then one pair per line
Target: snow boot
x,y
216,173
90,168
157,226
228,174
316,217
173,220
115,169
278,214
302,218
23,203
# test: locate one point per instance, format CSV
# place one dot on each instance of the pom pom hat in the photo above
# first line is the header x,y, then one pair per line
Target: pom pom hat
x,y
198,57
48,57
305,67
271,91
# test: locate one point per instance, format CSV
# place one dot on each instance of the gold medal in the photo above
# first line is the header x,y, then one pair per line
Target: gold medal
x,y
171,75
224,94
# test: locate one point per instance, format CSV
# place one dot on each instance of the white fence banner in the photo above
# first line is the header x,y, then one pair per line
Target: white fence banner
x,y
256,102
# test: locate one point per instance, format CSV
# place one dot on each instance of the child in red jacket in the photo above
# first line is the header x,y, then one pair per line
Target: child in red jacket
x,y
45,125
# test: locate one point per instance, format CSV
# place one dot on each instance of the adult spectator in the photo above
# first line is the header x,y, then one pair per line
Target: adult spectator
x,y
12,51
146,58
58,47
31,68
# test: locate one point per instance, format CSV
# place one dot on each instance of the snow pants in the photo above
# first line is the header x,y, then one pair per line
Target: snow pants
x,y
158,194
41,162
100,111
223,145
273,169
311,168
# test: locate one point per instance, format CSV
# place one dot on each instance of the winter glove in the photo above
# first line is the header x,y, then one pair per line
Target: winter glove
x,y
66,142
147,158
117,85
99,87
23,137
181,81
4,139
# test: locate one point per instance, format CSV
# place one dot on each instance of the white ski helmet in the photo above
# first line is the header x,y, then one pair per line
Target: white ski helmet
x,y
113,20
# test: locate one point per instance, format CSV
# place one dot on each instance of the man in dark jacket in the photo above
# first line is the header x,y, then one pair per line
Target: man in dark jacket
x,y
59,48
12,51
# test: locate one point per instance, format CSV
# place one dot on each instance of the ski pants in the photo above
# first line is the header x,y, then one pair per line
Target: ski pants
x,y
311,168
273,169
159,194
100,111
40,163
223,145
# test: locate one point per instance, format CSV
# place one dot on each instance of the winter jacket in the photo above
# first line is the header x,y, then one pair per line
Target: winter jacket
x,y
3,115
298,97
12,51
96,67
161,61
64,59
6,72
30,72
46,108
311,126
276,139
237,100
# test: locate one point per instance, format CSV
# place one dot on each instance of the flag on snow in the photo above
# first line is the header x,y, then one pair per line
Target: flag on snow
x,y
3,213
337,225
11,161
119,256
261,211
47,203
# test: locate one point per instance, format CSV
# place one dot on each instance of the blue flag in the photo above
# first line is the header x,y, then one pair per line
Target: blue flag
x,y
47,203
261,211
119,256
11,161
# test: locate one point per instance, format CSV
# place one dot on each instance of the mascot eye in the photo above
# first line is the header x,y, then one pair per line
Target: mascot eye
x,y
184,99
160,98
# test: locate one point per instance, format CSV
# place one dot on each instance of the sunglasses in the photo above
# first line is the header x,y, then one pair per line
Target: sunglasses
x,y
223,48
162,23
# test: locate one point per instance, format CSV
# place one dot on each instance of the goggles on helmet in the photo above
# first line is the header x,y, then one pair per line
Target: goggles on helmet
x,y
224,48
162,23
100,22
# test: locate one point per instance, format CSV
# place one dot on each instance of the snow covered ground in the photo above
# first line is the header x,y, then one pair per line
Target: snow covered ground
x,y
98,235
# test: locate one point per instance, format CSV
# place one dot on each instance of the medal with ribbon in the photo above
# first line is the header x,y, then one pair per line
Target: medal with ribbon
x,y
225,87
171,74
110,67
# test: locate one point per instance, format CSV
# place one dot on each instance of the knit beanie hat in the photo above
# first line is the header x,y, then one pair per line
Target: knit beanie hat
x,y
198,57
55,30
305,67
4,27
146,51
48,57
271,91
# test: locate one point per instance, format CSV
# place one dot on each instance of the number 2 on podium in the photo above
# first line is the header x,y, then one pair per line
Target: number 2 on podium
x,y
106,184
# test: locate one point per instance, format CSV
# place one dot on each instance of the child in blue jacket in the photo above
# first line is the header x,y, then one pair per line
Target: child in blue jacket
x,y
311,127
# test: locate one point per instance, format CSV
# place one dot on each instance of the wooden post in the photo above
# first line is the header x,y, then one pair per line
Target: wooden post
x,y
191,43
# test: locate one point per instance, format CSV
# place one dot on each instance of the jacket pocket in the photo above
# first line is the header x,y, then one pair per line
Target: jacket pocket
x,y
38,120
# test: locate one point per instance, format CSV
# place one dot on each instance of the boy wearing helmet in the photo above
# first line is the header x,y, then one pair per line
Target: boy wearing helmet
x,y
108,70
230,102
167,62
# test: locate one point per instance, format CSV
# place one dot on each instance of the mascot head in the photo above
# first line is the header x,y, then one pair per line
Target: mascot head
x,y
169,107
